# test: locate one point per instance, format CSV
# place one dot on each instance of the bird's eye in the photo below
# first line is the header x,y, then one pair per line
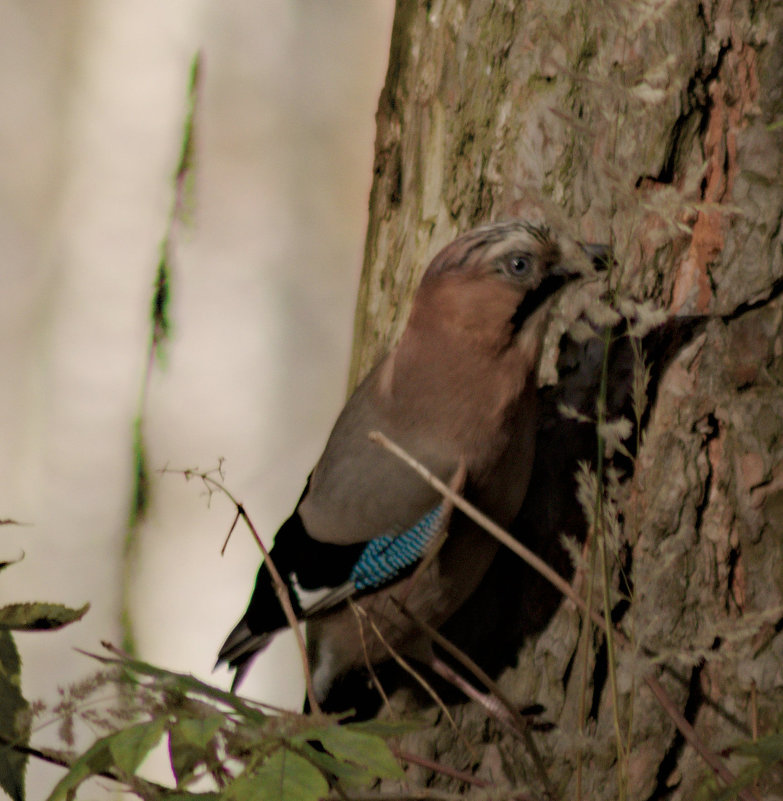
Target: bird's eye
x,y
519,264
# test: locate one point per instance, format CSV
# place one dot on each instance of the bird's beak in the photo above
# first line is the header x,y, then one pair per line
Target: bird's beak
x,y
562,273
574,265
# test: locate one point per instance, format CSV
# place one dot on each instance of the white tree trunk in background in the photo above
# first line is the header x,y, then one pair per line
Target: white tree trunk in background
x,y
93,97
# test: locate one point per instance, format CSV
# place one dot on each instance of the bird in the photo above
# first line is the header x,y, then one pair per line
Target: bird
x,y
457,392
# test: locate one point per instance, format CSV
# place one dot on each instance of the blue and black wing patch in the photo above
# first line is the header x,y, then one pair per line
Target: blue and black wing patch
x,y
322,575
383,560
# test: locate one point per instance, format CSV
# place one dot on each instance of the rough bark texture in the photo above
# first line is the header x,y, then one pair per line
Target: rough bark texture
x,y
656,126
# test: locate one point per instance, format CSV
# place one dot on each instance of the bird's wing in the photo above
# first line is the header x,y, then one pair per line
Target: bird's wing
x,y
383,560
320,576
359,491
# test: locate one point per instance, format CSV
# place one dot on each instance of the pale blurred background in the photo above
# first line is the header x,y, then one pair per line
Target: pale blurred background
x,y
93,100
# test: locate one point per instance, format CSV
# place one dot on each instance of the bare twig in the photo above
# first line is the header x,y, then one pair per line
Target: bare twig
x,y
367,663
437,767
280,587
408,668
455,485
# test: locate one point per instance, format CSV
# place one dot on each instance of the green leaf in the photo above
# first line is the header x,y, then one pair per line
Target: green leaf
x,y
124,750
184,758
366,750
188,741
350,776
14,724
284,776
767,750
762,753
96,760
130,746
10,663
185,684
199,731
39,616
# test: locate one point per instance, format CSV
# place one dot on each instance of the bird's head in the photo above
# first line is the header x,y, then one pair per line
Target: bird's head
x,y
495,280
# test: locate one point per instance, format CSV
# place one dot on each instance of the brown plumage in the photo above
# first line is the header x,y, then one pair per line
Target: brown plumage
x,y
459,389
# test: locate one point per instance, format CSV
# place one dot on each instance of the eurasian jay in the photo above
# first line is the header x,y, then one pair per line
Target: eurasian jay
x,y
458,392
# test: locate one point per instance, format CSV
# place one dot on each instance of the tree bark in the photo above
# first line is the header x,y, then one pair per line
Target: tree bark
x,y
656,127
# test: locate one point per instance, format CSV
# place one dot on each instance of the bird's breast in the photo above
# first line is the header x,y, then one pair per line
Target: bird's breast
x,y
469,403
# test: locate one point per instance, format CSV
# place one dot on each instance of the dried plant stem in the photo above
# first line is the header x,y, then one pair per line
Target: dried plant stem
x,y
587,628
408,668
538,564
455,485
535,561
437,767
519,725
280,587
368,664
600,531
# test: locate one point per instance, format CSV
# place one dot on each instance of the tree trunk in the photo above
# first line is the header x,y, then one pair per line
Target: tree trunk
x,y
656,127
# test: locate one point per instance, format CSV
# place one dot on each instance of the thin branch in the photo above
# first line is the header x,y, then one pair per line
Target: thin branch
x,y
280,586
408,668
367,663
237,517
437,767
519,725
455,485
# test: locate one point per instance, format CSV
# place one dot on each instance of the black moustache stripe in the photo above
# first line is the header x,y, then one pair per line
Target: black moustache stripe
x,y
533,300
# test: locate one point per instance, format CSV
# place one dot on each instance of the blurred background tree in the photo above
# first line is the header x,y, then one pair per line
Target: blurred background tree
x,y
263,292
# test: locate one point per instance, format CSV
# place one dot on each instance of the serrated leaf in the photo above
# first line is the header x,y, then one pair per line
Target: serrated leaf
x,y
199,731
188,740
39,616
366,750
95,760
10,663
14,724
350,776
184,758
130,746
284,776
